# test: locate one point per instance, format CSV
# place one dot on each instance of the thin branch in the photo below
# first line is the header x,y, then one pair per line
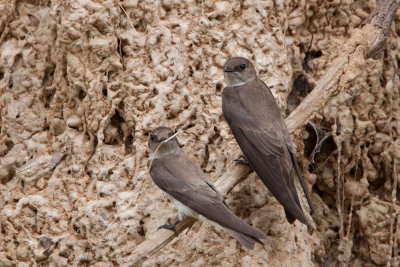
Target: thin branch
x,y
366,42
225,184
383,15
155,242
370,38
340,200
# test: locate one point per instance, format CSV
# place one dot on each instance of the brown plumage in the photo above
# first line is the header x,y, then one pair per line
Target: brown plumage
x,y
260,130
177,175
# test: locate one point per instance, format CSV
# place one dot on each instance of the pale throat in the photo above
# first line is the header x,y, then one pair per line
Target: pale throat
x,y
165,149
234,80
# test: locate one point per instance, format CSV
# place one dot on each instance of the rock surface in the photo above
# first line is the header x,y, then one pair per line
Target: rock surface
x,y
83,82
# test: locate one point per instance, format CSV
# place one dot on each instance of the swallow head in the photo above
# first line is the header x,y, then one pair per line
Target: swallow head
x,y
159,135
239,71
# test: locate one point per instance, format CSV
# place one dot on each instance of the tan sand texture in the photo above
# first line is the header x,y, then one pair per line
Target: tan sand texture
x,y
83,82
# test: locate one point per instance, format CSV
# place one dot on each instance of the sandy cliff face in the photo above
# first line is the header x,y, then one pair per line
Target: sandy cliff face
x,y
83,83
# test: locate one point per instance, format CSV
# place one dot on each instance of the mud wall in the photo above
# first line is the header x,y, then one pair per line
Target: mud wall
x,y
83,83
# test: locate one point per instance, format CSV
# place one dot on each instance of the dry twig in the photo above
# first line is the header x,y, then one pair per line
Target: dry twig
x,y
364,43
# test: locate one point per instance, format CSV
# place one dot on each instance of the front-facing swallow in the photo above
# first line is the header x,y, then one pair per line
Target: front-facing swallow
x,y
260,130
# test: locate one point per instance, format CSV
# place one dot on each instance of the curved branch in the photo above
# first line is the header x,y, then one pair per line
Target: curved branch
x,y
368,42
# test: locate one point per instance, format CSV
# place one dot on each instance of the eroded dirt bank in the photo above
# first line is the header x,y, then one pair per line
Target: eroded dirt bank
x,y
83,83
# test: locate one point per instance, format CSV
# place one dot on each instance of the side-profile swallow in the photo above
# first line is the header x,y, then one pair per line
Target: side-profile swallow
x,y
260,130
176,174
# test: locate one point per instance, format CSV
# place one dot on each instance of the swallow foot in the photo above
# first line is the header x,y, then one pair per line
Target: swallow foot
x,y
170,227
241,160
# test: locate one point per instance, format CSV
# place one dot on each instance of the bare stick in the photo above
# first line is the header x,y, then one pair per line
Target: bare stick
x,y
367,42
226,183
383,15
370,38
339,201
157,241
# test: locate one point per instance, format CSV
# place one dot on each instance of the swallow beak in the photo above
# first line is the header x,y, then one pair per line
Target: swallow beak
x,y
163,139
228,70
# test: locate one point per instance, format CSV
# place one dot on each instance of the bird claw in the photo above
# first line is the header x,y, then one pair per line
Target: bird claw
x,y
241,160
170,227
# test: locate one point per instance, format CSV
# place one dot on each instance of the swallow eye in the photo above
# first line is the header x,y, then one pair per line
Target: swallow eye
x,y
242,66
152,137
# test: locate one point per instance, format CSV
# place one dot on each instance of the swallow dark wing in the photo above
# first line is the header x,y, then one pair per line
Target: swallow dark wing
x,y
181,178
301,179
258,126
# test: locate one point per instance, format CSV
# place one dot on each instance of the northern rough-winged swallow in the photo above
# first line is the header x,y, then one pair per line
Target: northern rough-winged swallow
x,y
260,130
176,174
